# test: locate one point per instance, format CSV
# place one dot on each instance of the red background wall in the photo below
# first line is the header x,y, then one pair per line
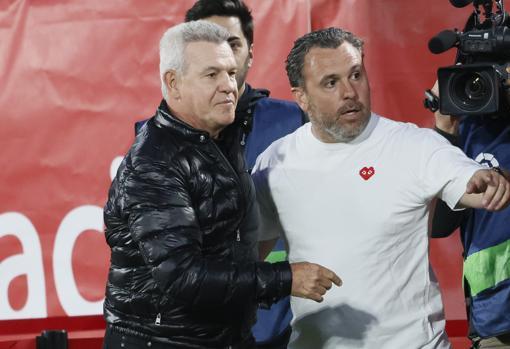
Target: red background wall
x,y
75,76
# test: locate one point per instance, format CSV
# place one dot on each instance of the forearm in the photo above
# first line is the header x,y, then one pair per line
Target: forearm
x,y
446,125
183,272
217,283
471,201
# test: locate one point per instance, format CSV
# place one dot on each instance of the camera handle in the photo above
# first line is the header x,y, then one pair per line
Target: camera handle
x,y
431,101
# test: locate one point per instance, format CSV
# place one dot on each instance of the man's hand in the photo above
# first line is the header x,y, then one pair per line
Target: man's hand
x,y
311,280
487,189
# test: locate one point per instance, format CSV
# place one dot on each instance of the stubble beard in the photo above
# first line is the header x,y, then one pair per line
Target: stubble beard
x,y
336,132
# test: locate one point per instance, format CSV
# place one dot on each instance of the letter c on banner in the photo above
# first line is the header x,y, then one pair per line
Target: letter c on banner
x,y
77,221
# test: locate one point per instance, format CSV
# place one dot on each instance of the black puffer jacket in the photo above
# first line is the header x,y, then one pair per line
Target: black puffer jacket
x,y
181,223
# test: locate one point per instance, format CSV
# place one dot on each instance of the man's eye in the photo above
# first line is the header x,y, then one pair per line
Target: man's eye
x,y
330,83
356,75
235,46
211,75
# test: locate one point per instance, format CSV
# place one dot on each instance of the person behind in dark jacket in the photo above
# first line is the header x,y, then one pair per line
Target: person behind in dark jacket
x,y
181,218
262,120
485,236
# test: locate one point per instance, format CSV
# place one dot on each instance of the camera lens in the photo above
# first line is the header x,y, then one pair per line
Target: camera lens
x,y
475,88
471,90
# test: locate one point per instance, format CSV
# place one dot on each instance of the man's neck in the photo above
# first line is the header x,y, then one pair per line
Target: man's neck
x,y
191,121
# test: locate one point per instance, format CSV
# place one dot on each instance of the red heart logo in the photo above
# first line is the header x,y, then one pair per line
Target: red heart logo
x,y
366,172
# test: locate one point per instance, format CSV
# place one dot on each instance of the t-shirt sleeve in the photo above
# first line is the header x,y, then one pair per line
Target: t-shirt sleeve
x,y
445,169
269,226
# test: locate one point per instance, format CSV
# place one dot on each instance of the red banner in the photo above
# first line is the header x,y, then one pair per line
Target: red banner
x,y
76,75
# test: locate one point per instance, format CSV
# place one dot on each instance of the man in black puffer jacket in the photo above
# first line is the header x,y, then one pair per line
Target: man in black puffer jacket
x,y
181,218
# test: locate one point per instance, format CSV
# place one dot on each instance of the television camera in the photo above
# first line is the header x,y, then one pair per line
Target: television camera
x,y
476,83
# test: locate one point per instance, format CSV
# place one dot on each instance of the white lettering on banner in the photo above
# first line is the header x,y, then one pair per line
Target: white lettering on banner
x,y
78,220
29,263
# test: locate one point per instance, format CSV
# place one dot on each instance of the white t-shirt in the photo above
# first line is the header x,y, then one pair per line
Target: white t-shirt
x,y
361,209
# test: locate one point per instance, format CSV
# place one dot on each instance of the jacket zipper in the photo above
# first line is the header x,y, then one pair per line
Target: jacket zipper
x,y
238,181
158,319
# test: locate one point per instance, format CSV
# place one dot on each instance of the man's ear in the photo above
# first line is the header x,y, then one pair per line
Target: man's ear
x,y
250,55
301,97
172,82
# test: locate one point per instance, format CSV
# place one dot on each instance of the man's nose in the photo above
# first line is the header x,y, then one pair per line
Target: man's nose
x,y
227,83
348,90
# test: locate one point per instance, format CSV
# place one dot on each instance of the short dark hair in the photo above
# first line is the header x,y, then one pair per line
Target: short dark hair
x,y
226,8
323,38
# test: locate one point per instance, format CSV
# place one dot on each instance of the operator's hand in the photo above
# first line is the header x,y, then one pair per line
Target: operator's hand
x,y
311,280
446,123
494,188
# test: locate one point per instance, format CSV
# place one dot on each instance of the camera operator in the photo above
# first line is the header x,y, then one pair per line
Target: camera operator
x,y
485,235
473,112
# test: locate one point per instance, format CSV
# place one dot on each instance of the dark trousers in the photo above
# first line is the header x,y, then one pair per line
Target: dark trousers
x,y
115,339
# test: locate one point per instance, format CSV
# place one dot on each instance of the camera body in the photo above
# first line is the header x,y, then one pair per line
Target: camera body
x,y
471,89
476,85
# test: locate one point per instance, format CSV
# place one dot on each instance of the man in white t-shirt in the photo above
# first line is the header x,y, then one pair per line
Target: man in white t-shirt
x,y
351,191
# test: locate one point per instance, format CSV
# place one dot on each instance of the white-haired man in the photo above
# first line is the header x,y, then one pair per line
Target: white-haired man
x,y
181,218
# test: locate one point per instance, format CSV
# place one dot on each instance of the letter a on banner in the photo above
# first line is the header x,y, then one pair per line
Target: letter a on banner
x,y
28,263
